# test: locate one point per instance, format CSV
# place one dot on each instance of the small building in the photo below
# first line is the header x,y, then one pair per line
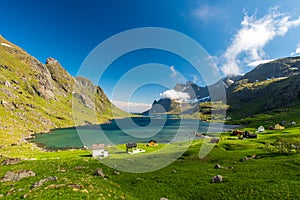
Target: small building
x,y
278,127
214,140
260,129
99,151
131,146
152,143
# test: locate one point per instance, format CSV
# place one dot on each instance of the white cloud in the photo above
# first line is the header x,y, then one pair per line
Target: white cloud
x,y
195,78
253,36
207,13
173,72
258,62
297,51
132,107
173,94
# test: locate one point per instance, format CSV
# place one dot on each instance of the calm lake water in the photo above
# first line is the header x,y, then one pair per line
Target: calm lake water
x,y
120,131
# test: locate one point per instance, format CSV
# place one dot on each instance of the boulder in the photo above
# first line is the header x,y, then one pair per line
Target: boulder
x,y
45,180
99,172
217,179
18,175
116,172
217,166
11,161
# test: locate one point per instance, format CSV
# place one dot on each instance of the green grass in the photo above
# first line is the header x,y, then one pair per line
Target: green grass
x,y
270,176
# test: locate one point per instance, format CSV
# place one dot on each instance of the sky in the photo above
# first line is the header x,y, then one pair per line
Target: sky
x,y
236,35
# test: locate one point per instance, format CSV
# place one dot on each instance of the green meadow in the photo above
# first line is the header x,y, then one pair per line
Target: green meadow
x,y
272,174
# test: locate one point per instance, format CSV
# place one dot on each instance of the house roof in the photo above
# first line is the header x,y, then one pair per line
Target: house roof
x,y
97,146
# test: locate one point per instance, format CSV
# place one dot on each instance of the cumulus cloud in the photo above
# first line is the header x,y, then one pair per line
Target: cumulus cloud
x,y
258,62
253,36
173,94
297,51
132,107
173,72
195,78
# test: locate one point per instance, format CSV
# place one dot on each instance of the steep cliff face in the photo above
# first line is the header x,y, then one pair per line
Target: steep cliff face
x,y
35,97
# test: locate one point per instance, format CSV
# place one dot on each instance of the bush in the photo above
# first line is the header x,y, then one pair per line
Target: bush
x,y
284,146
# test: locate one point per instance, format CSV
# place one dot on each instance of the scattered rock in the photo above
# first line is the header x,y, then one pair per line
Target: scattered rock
x,y
74,185
11,191
99,172
217,179
217,166
18,175
62,170
163,198
30,105
45,180
4,66
11,161
79,167
54,186
248,158
7,83
16,82
174,171
7,105
85,191
116,172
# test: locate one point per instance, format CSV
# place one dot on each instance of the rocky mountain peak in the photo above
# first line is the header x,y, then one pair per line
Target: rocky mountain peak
x,y
52,61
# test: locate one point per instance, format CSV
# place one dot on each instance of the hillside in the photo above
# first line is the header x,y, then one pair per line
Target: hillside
x,y
268,87
36,97
284,67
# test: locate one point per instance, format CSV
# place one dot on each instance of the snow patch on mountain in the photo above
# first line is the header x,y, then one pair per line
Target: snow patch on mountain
x,y
4,44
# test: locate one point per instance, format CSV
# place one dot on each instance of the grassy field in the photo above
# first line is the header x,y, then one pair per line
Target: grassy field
x,y
271,175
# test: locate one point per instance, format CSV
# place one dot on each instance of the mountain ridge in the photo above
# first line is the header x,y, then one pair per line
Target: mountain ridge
x,y
37,97
267,87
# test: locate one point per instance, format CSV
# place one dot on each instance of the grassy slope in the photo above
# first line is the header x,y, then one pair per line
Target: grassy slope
x,y
44,114
269,176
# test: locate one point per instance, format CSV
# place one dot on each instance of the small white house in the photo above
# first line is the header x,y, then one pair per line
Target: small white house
x,y
261,129
98,150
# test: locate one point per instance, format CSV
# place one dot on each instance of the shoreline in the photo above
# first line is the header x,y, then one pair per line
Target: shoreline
x,y
43,147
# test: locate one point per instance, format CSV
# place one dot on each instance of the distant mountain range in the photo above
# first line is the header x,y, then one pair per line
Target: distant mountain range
x,y
267,87
36,97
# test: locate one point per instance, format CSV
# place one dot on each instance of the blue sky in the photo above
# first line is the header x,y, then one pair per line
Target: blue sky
x,y
236,34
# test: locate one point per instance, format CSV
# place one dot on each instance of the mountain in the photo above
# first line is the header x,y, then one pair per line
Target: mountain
x,y
284,67
36,97
269,86
194,91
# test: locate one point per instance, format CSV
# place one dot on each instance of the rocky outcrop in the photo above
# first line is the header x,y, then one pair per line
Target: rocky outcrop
x,y
18,175
45,180
11,161
60,75
43,86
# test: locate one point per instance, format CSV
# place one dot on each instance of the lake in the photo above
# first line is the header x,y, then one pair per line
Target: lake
x,y
121,131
